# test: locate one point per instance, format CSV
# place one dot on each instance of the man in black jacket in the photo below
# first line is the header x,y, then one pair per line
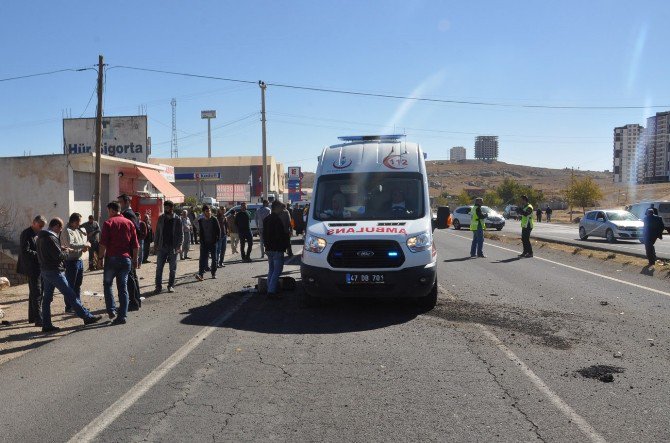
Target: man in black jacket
x,y
243,223
276,242
210,233
134,301
653,230
29,266
51,257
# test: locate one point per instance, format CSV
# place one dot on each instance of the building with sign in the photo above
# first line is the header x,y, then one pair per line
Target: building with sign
x,y
228,179
58,185
122,137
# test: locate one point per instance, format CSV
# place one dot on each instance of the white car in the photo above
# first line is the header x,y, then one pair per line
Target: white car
x,y
461,218
611,224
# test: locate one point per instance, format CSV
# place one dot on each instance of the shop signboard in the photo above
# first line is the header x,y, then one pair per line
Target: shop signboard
x,y
123,137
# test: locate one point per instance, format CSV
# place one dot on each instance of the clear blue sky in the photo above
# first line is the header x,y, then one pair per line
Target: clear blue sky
x,y
573,53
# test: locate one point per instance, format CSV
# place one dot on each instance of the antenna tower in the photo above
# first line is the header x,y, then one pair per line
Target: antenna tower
x,y
174,152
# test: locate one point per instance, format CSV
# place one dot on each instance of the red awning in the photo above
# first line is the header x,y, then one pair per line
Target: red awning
x,y
163,186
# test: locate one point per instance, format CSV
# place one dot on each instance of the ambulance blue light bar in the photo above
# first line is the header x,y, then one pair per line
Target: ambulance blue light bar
x,y
371,138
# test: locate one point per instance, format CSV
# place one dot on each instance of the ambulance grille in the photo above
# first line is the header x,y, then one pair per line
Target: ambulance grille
x,y
365,254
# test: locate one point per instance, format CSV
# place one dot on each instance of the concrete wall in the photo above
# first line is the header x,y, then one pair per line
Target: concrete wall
x,y
34,185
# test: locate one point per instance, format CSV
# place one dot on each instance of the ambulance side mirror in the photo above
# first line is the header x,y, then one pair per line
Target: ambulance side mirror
x,y
443,219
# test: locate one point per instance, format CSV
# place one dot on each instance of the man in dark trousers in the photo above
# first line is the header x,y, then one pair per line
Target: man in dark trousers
x,y
93,236
243,223
653,230
51,256
148,240
168,242
477,225
119,250
276,242
134,302
286,220
526,211
29,266
538,211
210,232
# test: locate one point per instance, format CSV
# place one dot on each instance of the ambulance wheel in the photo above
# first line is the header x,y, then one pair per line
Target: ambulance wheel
x,y
457,225
428,302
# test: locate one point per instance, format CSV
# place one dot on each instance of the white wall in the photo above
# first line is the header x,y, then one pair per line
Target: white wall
x,y
34,185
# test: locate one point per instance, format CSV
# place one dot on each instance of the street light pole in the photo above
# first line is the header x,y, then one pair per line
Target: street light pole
x,y
262,85
209,115
98,143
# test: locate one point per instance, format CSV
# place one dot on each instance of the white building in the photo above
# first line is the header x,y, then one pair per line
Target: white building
x,y
656,164
627,145
457,153
58,185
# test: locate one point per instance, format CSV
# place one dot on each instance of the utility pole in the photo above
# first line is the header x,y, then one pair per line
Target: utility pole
x,y
98,143
265,153
174,151
572,183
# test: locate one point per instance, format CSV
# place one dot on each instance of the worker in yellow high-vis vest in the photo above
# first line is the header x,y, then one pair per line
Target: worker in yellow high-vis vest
x,y
526,227
477,227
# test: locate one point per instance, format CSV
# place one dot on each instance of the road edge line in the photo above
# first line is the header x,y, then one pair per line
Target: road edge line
x,y
109,415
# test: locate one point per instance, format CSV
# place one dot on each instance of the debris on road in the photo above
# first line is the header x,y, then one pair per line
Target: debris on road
x,y
618,354
603,373
604,303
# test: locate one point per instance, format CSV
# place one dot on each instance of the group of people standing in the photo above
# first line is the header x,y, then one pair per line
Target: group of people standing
x,y
548,211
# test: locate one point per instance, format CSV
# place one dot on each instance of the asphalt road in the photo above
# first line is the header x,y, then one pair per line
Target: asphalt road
x,y
570,234
496,360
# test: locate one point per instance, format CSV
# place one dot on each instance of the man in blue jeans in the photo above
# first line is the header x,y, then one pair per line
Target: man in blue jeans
x,y
51,256
210,232
167,243
119,250
477,227
276,242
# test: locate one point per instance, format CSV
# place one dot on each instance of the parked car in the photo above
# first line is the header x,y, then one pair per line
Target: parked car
x,y
461,218
610,224
251,209
511,212
663,207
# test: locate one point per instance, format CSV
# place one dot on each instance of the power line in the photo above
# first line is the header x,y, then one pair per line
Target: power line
x,y
44,73
394,96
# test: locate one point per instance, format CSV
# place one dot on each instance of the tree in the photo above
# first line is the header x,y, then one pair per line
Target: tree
x,y
492,199
190,201
510,191
583,193
464,198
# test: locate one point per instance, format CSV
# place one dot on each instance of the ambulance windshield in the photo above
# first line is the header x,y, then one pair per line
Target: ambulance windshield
x,y
370,196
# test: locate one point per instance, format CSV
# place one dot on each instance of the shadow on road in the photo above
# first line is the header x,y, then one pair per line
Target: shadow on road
x,y
452,260
508,260
286,316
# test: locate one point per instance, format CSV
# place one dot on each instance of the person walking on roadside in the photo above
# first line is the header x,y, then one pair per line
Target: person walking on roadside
x,y
243,223
187,229
276,242
477,227
210,233
194,223
260,215
51,256
538,212
148,240
92,229
526,212
74,239
653,230
222,244
29,265
134,302
286,220
119,248
142,234
168,242
548,211
232,231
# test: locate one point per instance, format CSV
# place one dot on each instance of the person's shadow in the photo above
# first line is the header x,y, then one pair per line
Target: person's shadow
x,y
508,260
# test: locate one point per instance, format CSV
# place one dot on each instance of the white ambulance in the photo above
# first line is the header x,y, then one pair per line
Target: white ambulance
x,y
370,227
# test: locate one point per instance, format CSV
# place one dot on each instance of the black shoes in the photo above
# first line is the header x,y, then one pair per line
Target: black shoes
x,y
111,315
133,308
214,276
92,319
119,321
50,328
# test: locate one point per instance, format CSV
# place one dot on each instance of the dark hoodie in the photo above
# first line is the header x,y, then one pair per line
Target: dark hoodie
x,y
49,253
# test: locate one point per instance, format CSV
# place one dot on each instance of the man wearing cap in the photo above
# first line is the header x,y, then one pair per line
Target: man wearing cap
x,y
134,301
168,243
653,230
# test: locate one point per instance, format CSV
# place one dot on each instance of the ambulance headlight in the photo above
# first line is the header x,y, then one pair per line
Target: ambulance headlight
x,y
420,242
314,243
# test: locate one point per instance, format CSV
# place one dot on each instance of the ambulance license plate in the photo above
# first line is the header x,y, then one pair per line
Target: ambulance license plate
x,y
365,279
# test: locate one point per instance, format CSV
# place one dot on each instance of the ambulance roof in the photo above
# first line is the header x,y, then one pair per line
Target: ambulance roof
x,y
371,154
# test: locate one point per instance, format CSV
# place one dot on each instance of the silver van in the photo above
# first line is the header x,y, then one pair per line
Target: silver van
x,y
663,207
